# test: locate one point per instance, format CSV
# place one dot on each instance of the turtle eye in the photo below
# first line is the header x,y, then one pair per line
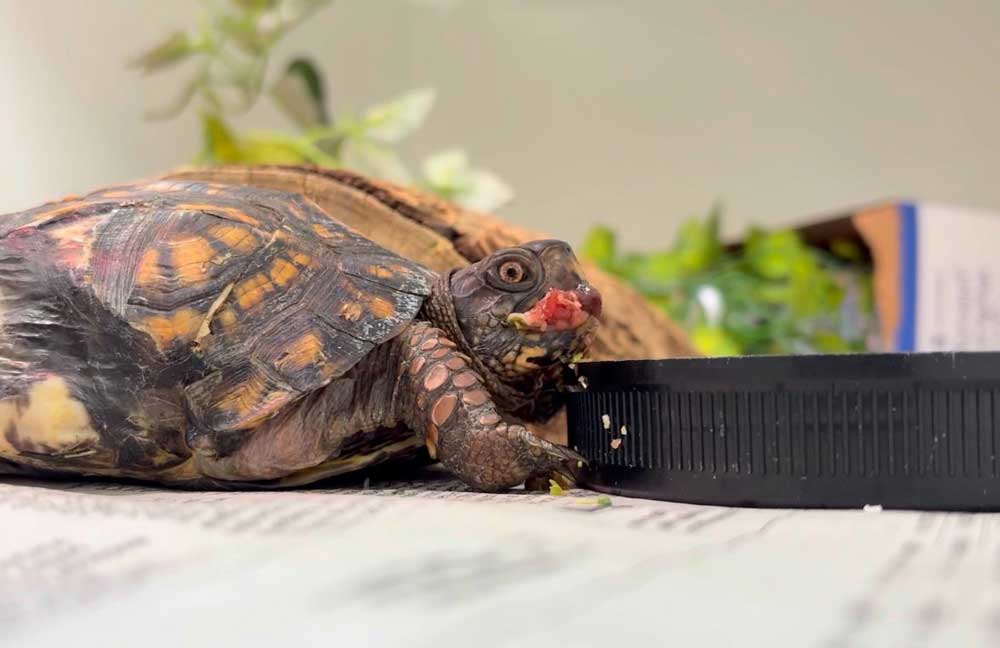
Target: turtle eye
x,y
512,272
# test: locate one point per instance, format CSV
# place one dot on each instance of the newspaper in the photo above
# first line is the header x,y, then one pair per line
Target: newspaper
x,y
427,563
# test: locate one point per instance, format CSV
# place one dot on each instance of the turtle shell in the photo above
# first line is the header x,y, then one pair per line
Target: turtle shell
x,y
442,236
242,297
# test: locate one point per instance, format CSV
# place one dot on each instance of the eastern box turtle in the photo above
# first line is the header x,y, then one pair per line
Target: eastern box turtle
x,y
443,236
221,335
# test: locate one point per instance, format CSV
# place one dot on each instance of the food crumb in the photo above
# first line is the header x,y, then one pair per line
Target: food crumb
x,y
592,503
624,430
579,464
616,443
555,489
872,508
606,421
583,381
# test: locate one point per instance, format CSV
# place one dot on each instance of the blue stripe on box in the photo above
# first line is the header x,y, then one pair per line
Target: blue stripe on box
x,y
906,333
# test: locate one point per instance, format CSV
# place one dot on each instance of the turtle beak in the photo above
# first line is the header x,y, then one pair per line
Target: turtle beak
x,y
563,272
590,300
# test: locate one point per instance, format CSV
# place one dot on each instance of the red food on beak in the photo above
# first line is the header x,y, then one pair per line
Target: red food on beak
x,y
560,310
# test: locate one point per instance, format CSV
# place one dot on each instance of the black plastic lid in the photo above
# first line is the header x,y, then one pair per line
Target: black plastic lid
x,y
898,430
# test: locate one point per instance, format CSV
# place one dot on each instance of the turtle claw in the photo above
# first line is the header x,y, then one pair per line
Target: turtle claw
x,y
558,464
544,481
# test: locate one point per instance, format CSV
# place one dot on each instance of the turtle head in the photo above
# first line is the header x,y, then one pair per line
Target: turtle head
x,y
524,313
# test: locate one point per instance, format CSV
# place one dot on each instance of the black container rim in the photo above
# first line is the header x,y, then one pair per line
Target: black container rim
x,y
899,430
844,366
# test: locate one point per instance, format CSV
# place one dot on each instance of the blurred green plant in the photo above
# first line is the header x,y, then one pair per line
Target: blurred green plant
x,y
773,294
230,50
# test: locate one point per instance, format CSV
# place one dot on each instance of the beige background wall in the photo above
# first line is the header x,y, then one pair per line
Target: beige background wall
x,y
637,112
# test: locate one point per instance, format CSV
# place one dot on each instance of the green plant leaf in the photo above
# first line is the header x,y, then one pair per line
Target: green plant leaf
x,y
368,157
447,171
242,30
830,342
255,5
698,244
449,175
301,95
599,246
772,254
629,265
779,295
661,269
393,121
284,15
486,192
714,341
261,149
219,143
174,49
846,249
277,148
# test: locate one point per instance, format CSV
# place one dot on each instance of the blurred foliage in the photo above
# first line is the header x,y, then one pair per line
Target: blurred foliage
x,y
773,294
229,54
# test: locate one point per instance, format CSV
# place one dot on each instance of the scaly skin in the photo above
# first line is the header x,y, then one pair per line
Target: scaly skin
x,y
455,415
420,380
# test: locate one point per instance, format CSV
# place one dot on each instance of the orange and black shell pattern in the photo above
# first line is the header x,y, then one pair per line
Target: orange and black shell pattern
x,y
133,313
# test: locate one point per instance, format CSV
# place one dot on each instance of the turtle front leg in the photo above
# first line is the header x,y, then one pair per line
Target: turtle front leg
x,y
448,405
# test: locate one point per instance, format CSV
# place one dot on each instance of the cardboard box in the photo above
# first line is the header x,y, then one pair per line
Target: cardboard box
x,y
936,272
